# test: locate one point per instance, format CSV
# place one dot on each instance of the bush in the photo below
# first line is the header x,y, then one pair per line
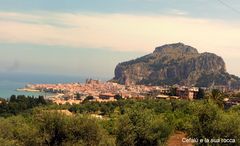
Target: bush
x,y
18,131
140,127
59,129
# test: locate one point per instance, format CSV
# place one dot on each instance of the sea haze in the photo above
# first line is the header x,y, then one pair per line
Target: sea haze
x,y
9,82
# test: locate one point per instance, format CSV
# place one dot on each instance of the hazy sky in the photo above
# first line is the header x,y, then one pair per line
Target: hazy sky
x,y
89,37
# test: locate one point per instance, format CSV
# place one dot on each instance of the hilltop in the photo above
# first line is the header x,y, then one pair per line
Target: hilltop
x,y
176,64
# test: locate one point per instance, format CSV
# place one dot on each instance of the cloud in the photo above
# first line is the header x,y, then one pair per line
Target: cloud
x,y
122,32
177,12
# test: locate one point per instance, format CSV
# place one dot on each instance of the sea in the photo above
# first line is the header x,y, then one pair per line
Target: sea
x,y
9,82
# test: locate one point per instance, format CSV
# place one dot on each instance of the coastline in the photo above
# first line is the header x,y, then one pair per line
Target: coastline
x,y
27,90
47,95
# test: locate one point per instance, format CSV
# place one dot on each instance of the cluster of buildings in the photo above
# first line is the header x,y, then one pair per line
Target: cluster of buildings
x,y
95,90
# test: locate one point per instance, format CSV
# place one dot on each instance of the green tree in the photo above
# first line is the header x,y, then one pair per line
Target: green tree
x,y
173,91
85,130
228,127
217,96
125,134
205,116
13,98
201,94
78,96
141,127
18,131
59,129
41,100
118,97
105,110
52,127
88,98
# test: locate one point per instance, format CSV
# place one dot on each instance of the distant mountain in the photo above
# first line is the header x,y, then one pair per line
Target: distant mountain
x,y
176,64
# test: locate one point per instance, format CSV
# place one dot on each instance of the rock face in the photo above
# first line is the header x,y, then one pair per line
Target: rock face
x,y
176,64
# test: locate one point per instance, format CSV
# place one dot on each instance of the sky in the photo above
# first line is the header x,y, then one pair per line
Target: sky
x,y
89,38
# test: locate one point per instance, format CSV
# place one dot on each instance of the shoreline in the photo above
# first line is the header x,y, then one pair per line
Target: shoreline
x,y
27,90
47,95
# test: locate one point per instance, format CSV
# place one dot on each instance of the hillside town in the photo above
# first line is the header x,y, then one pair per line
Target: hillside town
x,y
95,90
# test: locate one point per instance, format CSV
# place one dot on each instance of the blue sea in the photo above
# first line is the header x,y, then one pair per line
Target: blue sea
x,y
9,82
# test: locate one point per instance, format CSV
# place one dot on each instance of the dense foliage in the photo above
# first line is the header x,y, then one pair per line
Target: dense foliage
x,y
121,123
19,104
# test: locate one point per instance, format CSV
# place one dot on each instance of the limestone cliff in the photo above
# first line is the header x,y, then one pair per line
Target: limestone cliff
x,y
175,64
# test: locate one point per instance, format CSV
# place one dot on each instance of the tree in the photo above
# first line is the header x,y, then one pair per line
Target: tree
x,y
78,96
204,119
59,129
13,98
125,134
228,127
201,93
3,100
141,127
217,96
41,100
105,110
9,142
118,97
18,131
52,127
85,130
173,91
3,106
88,98
162,106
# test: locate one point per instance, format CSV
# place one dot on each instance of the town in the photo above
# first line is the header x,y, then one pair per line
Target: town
x,y
95,90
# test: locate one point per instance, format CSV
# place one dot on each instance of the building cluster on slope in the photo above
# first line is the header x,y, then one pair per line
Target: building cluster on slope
x,y
95,90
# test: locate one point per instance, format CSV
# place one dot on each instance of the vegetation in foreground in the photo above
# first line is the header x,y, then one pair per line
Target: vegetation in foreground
x,y
28,122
